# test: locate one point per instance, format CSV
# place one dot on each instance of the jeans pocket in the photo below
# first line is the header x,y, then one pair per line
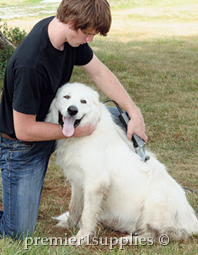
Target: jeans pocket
x,y
20,152
21,146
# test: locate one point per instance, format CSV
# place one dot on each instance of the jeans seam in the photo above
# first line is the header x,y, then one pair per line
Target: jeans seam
x,y
8,159
9,215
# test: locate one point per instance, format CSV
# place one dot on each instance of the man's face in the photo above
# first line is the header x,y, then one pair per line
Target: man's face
x,y
75,38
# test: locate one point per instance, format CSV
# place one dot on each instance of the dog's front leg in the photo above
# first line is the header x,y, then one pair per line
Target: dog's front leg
x,y
72,217
76,204
93,196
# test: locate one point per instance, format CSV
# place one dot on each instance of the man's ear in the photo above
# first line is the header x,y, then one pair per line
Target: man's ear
x,y
71,24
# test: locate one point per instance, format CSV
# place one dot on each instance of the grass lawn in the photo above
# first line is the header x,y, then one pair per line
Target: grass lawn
x,y
152,49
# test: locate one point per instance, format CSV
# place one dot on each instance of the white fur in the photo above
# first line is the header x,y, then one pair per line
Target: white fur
x,y
110,185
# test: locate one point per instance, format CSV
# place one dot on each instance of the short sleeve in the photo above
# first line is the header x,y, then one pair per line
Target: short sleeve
x,y
28,89
84,54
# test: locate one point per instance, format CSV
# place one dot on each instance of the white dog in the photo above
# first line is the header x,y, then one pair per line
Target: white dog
x,y
110,184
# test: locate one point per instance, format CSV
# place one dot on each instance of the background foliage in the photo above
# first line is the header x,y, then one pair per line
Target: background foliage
x,y
16,36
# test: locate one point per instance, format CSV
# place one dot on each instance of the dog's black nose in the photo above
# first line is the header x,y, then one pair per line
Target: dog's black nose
x,y
72,110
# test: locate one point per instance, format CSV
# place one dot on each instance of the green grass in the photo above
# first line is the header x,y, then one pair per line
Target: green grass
x,y
155,58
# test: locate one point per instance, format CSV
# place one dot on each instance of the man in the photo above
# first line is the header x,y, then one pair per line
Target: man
x,y
40,65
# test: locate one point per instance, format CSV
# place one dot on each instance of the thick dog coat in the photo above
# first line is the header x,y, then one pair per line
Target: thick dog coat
x,y
110,184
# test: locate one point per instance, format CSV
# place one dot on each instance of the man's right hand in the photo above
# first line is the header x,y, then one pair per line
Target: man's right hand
x,y
84,131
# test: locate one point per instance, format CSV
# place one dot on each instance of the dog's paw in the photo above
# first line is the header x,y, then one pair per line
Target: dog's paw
x,y
64,224
64,220
62,217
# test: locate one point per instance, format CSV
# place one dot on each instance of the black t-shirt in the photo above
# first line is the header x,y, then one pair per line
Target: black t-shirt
x,y
34,73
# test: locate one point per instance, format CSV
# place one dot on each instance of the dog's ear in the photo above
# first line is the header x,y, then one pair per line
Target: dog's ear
x,y
96,98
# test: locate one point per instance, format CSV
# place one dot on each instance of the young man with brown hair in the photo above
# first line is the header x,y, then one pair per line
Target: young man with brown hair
x,y
40,65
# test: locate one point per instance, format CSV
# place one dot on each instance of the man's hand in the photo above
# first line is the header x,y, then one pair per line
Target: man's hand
x,y
84,131
136,125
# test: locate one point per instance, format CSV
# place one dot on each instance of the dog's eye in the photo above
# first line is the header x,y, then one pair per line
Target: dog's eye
x,y
83,101
67,97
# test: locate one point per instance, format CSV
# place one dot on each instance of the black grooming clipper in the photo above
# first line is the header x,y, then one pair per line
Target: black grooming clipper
x,y
138,142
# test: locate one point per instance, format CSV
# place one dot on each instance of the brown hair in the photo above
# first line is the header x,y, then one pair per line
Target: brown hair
x,y
86,14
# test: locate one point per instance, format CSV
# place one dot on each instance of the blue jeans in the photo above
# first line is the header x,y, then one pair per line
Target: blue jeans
x,y
23,168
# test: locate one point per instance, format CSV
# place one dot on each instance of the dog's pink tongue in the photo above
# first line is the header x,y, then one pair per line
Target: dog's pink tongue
x,y
68,127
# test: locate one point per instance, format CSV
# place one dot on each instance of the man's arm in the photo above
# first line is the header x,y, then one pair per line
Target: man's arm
x,y
28,129
112,88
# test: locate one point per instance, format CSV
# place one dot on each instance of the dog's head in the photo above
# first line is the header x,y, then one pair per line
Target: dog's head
x,y
77,104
